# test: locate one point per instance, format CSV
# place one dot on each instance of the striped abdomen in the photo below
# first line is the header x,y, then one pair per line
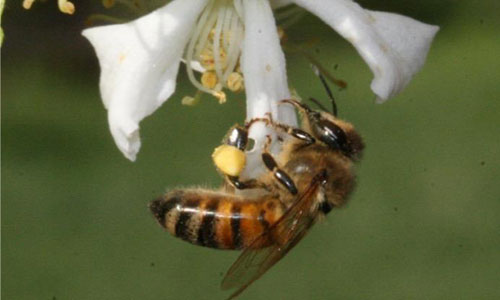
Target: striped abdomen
x,y
217,220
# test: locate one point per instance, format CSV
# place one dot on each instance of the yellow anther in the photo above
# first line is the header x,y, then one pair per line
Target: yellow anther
x,y
209,79
27,4
217,49
229,160
189,101
192,101
207,59
235,82
66,7
108,3
220,95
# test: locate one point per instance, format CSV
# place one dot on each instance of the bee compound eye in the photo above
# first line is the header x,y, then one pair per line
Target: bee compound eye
x,y
333,136
325,207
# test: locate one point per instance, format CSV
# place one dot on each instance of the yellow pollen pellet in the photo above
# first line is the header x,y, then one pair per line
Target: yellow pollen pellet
x,y
229,160
235,82
209,79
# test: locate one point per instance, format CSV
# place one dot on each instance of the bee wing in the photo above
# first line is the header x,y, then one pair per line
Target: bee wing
x,y
287,232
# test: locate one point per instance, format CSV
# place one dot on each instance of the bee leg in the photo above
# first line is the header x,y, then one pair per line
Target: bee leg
x,y
293,131
246,184
279,174
237,136
300,106
296,133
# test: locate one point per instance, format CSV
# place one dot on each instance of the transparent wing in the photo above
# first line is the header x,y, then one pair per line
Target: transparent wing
x,y
286,233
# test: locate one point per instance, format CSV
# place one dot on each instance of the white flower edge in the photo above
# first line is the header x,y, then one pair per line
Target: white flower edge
x,y
393,46
139,61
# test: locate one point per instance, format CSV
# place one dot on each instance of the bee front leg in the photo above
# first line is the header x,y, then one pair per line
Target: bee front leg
x,y
297,133
292,131
282,177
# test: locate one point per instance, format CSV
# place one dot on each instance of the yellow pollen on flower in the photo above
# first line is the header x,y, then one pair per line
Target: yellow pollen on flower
x,y
122,57
27,4
209,80
220,95
207,59
215,44
235,82
66,7
281,32
282,35
108,3
191,101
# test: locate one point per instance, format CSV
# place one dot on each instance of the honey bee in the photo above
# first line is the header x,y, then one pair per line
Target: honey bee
x,y
311,175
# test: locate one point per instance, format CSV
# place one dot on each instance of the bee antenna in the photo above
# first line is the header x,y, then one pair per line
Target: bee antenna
x,y
327,88
315,101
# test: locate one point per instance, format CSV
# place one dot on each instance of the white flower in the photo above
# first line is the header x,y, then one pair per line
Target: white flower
x,y
393,46
227,39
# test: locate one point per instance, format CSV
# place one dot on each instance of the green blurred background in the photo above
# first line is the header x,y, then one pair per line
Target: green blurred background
x,y
423,223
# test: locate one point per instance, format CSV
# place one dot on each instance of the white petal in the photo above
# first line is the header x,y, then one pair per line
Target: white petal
x,y
263,66
394,46
139,62
264,70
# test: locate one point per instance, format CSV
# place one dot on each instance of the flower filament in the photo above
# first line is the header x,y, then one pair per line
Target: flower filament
x,y
215,46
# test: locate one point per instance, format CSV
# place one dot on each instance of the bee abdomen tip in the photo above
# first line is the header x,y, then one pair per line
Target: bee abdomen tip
x,y
159,208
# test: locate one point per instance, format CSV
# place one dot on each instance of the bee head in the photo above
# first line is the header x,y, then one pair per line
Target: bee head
x,y
332,131
325,126
335,133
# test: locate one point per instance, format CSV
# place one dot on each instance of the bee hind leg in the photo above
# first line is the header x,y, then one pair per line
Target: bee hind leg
x,y
238,137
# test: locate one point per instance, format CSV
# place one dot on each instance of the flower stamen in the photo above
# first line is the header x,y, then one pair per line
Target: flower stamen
x,y
65,6
209,79
235,82
216,45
